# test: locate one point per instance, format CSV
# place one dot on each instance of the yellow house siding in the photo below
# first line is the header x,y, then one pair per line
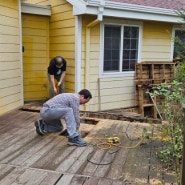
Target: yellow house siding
x,y
10,67
119,92
35,56
156,43
108,93
62,38
39,2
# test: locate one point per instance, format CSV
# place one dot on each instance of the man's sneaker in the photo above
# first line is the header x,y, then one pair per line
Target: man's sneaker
x,y
77,141
64,133
40,127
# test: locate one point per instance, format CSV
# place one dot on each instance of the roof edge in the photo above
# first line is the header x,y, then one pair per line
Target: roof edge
x,y
125,10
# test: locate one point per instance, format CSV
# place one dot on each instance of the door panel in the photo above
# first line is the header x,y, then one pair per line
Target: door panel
x,y
35,37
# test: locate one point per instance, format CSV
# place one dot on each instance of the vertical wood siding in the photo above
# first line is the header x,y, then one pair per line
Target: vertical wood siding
x,y
35,30
10,66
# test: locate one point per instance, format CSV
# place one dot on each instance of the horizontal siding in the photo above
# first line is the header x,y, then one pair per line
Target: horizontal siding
x,y
62,38
156,43
11,100
11,104
9,30
35,38
9,40
62,24
10,66
61,33
112,92
39,2
8,21
33,32
65,47
7,57
6,74
10,48
9,92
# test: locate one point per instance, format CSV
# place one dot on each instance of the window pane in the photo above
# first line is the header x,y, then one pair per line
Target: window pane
x,y
130,48
125,66
112,35
133,54
127,44
181,36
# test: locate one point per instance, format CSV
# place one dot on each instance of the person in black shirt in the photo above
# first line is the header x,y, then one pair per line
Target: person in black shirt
x,y
56,71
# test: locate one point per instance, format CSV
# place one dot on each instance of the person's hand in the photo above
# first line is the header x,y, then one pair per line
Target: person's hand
x,y
55,90
59,83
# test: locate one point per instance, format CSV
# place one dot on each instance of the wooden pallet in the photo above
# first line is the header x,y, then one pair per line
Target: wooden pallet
x,y
149,74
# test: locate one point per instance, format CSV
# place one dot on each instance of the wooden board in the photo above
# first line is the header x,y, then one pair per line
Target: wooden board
x,y
26,158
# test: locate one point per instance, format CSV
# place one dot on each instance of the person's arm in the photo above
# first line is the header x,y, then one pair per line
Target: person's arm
x,y
62,77
76,111
52,79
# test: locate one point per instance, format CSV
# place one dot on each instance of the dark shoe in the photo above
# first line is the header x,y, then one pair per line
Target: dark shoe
x,y
64,133
40,127
77,141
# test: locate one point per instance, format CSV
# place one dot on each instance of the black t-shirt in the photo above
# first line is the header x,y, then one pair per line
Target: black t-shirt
x,y
53,70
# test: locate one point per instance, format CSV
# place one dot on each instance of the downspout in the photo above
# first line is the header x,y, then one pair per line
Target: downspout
x,y
88,42
78,51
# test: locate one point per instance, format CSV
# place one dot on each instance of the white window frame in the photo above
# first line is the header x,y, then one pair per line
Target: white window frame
x,y
118,23
176,27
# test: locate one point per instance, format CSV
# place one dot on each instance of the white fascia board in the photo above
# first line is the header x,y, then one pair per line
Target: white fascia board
x,y
35,9
124,10
143,16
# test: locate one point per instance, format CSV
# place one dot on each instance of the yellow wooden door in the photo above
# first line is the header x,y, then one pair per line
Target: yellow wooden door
x,y
35,36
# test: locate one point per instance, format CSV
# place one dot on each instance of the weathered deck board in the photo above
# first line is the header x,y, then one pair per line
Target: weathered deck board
x,y
26,158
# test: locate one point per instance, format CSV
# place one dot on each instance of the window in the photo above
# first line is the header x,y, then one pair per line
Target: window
x,y
120,48
180,34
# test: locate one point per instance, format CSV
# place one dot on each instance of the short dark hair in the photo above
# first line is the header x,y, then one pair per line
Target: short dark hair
x,y
86,93
59,61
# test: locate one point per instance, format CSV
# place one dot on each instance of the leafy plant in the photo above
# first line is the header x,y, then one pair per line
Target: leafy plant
x,y
171,107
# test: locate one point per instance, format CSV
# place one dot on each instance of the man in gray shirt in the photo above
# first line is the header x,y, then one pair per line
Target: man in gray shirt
x,y
63,106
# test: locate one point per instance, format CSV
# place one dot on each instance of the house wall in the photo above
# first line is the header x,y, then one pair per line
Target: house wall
x,y
10,64
109,92
62,36
120,92
39,2
156,41
35,37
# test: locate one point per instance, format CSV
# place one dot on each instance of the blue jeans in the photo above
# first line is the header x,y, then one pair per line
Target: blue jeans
x,y
52,115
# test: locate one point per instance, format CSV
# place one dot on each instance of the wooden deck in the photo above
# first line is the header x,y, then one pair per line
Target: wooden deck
x,y
26,158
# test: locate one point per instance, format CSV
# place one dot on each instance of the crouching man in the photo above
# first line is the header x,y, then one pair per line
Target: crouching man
x,y
63,106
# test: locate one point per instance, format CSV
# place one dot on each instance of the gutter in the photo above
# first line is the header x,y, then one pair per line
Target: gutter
x,y
125,10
